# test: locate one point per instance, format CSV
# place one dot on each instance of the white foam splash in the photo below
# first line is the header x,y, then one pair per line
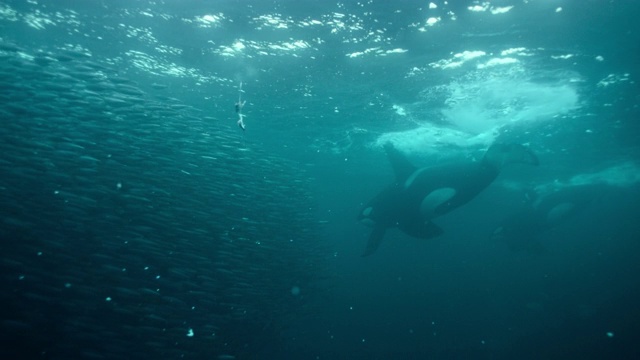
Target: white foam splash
x,y
477,106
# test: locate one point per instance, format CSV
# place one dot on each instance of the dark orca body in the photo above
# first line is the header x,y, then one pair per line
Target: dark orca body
x,y
522,229
421,194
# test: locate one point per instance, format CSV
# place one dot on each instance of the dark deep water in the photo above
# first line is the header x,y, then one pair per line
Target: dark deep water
x,y
138,221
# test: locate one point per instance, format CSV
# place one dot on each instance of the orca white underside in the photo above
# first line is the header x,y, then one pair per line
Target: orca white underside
x,y
434,199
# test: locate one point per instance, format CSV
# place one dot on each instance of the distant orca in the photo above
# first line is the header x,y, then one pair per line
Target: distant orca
x,y
521,229
419,195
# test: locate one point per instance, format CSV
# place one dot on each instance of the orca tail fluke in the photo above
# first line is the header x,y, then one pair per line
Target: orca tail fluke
x,y
374,240
500,155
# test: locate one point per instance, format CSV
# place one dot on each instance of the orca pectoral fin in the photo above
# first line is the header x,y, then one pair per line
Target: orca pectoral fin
x,y
375,238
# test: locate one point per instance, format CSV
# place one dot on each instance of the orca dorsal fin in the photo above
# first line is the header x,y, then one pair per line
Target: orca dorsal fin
x,y
402,167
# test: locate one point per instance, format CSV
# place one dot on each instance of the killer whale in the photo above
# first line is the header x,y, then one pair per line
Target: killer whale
x,y
420,194
522,230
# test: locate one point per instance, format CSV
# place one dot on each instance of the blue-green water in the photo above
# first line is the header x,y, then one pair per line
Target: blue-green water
x,y
138,221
